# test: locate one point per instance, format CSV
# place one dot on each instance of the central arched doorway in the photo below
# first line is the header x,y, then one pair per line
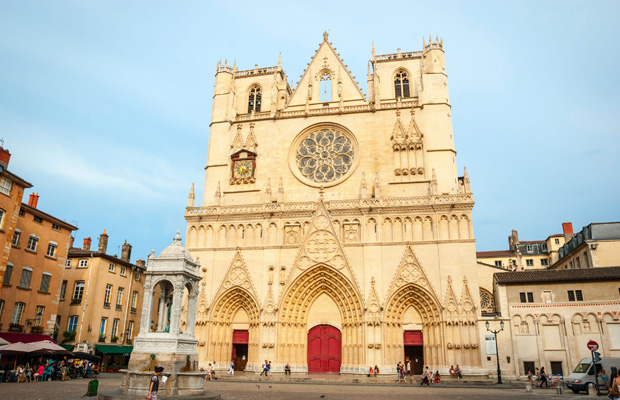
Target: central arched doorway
x,y
324,349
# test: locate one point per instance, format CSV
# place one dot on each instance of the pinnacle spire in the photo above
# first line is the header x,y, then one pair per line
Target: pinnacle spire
x,y
373,50
191,198
280,61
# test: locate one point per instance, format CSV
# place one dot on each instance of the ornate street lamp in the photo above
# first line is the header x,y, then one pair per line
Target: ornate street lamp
x,y
499,370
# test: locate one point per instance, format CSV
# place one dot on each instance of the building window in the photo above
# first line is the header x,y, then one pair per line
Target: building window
x,y
529,248
16,237
114,329
37,219
401,85
108,296
112,267
18,312
529,262
56,227
123,271
136,276
575,295
102,330
24,281
63,290
72,325
526,297
130,331
1,308
7,274
83,264
119,297
543,247
557,241
38,315
134,300
51,249
254,100
586,260
32,243
498,263
68,263
2,213
544,262
45,282
5,186
22,212
78,290
326,87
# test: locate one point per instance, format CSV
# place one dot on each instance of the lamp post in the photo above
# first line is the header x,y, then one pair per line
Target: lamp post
x,y
499,370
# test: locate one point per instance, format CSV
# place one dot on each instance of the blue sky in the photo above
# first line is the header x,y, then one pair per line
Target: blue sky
x,y
105,106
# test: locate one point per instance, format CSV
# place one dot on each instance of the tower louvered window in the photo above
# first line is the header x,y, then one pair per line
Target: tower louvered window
x,y
401,84
255,99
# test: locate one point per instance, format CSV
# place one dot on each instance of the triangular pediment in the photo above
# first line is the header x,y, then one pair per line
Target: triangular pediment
x,y
321,246
237,143
413,133
237,276
374,307
326,60
410,271
399,135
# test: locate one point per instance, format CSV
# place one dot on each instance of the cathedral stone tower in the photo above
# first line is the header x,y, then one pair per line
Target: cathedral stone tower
x,y
334,232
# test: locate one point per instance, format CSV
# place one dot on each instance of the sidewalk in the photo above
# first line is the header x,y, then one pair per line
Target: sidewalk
x,y
363,380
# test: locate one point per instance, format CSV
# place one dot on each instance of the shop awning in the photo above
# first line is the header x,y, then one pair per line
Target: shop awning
x,y
112,349
67,346
24,337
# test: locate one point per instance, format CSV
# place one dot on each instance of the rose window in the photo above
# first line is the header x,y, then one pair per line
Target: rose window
x,y
325,155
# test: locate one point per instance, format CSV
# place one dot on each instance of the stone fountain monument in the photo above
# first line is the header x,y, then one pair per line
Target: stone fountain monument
x,y
163,343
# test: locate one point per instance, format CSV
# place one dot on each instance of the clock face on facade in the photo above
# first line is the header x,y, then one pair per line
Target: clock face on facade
x,y
243,169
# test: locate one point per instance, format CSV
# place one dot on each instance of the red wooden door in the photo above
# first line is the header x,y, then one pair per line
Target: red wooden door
x,y
324,349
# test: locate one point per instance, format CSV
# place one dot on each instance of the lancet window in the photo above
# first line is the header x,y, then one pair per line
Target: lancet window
x,y
255,99
326,87
401,84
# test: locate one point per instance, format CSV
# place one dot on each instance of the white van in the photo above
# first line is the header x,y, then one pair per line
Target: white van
x,y
583,374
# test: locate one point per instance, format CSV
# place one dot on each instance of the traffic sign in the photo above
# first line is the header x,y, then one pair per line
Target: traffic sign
x,y
592,345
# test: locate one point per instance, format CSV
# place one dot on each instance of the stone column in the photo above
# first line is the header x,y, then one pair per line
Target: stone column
x,y
147,307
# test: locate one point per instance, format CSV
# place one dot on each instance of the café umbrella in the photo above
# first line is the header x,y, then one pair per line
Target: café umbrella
x,y
17,348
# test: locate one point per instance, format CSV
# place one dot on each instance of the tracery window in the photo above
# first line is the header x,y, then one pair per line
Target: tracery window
x,y
401,84
325,155
487,302
326,87
255,99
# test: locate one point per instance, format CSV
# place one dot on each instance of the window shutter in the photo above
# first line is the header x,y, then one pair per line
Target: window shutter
x,y
45,282
530,297
7,274
25,278
522,297
579,295
405,88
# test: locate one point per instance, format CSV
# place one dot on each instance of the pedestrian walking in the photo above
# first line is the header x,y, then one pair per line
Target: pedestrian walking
x,y
543,377
231,369
426,377
154,386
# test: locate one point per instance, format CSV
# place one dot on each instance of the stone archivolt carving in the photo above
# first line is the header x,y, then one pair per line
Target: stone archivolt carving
x,y
323,155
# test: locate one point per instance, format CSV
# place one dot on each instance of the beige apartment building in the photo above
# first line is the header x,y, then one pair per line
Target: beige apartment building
x,y
335,232
33,274
596,245
525,255
100,296
35,246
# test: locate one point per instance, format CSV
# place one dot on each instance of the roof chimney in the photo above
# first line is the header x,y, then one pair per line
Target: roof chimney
x,y
567,227
71,239
126,252
87,242
141,263
103,242
33,200
5,157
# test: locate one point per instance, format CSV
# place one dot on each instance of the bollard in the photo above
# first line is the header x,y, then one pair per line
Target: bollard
x,y
93,387
558,389
591,389
528,386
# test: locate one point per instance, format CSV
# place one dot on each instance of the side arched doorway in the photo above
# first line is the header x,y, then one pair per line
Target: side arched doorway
x,y
324,349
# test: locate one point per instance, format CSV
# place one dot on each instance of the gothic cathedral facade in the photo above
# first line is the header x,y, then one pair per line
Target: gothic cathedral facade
x,y
334,231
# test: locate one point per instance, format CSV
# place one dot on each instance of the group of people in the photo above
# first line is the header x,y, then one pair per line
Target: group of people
x,y
539,377
50,370
267,368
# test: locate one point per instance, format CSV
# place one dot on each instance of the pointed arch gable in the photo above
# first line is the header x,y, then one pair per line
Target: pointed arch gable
x,y
313,282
